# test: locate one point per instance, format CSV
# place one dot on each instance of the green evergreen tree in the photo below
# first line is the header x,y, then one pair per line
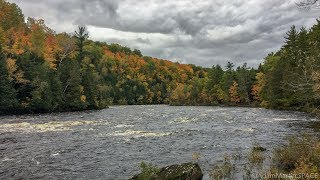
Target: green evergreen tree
x,y
82,35
8,101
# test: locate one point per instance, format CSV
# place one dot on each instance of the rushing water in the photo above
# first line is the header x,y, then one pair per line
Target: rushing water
x,y
111,143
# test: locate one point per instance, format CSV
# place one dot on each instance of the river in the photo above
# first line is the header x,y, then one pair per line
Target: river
x,y
111,143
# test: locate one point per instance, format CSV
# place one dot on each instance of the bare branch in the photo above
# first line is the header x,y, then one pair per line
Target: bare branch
x,y
308,4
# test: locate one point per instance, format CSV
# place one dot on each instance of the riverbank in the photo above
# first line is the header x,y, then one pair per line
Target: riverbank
x,y
298,158
37,112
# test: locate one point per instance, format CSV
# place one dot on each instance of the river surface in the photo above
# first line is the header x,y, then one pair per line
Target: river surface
x,y
111,143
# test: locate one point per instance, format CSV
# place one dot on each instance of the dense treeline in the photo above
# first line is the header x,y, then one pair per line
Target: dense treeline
x,y
43,71
290,78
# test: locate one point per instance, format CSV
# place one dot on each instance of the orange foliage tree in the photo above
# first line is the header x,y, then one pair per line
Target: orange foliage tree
x,y
258,87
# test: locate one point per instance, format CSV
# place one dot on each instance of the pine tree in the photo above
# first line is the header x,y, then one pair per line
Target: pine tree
x,y
214,76
82,35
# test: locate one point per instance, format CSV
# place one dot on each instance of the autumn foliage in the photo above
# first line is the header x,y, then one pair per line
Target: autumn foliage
x,y
44,71
233,91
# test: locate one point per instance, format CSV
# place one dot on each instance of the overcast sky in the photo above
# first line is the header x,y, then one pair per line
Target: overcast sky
x,y
202,32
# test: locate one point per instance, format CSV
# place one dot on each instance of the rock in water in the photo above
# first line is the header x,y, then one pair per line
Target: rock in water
x,y
186,171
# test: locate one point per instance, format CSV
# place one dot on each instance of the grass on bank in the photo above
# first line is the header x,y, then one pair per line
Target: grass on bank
x,y
298,159
299,156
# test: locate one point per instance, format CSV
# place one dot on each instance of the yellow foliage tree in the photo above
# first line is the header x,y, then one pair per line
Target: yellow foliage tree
x,y
14,73
180,95
233,92
218,94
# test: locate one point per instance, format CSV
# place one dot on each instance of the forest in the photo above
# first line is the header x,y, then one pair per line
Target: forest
x,y
45,71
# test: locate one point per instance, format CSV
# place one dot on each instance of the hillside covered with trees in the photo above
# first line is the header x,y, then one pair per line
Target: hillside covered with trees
x,y
45,71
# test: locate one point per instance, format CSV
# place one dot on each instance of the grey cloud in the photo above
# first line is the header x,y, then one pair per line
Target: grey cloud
x,y
202,32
